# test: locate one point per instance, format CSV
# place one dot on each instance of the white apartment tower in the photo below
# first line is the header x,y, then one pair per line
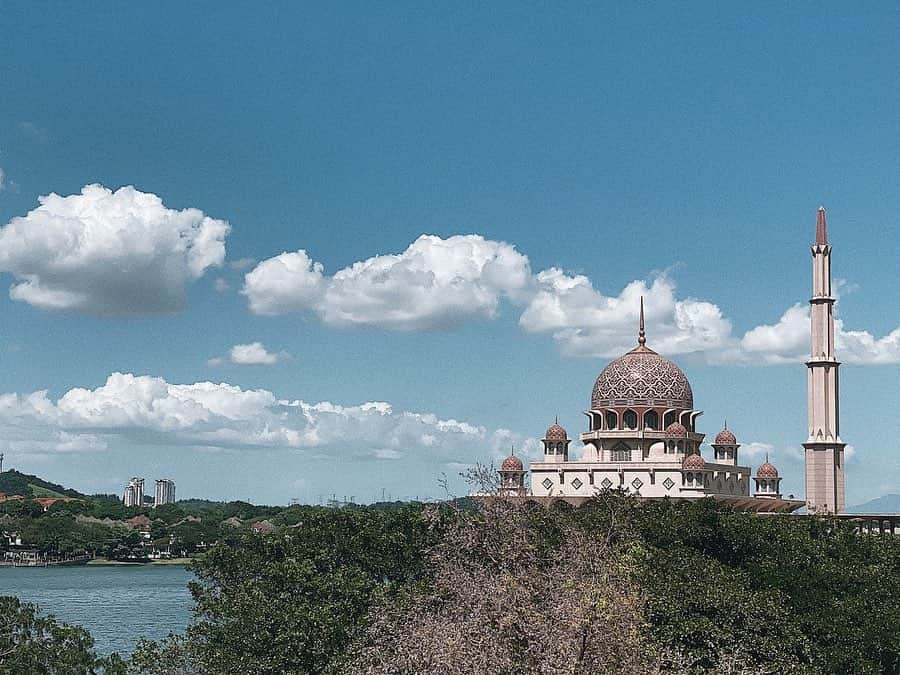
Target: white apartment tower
x,y
134,492
824,447
165,492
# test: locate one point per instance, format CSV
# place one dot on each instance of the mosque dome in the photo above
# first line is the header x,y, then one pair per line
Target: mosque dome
x,y
676,430
693,463
642,378
556,433
725,437
511,463
767,471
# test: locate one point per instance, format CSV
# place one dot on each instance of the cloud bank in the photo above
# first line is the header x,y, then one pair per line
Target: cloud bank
x,y
436,283
106,253
148,410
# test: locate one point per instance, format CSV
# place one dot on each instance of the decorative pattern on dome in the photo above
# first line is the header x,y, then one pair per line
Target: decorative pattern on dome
x,y
511,463
556,433
725,437
693,463
767,471
642,378
676,430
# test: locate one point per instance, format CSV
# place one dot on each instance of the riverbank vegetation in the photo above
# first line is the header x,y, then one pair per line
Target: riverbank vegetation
x,y
617,586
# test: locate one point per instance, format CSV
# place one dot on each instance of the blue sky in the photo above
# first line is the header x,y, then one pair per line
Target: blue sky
x,y
580,156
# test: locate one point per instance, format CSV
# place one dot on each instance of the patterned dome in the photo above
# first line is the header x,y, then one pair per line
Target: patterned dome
x,y
556,433
642,378
676,430
725,437
693,463
767,471
511,463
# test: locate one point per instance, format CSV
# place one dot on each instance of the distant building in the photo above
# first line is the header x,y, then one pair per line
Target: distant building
x,y
134,492
165,492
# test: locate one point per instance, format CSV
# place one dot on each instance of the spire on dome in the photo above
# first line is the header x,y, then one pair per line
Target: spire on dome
x,y
642,337
821,230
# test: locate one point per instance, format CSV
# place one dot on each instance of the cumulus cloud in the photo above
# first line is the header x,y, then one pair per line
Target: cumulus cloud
x,y
144,409
439,282
586,322
434,283
254,354
106,253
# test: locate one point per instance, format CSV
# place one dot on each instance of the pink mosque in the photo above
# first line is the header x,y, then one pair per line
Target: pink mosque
x,y
643,438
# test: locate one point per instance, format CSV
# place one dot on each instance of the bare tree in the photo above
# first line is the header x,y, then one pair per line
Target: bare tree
x,y
514,588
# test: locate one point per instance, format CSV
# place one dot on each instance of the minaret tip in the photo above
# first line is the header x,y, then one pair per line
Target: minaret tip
x,y
642,337
821,229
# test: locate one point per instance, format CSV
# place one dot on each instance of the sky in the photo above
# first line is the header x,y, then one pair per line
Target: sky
x,y
296,251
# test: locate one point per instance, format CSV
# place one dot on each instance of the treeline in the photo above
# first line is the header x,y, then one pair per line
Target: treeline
x,y
618,586
102,527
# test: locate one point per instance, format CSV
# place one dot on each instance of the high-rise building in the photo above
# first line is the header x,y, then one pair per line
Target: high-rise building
x,y
134,492
165,492
823,447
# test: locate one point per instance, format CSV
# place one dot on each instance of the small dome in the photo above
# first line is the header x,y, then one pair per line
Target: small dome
x,y
511,463
556,433
693,463
725,437
676,430
767,471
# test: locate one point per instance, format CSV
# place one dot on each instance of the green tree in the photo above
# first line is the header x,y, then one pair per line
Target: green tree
x,y
32,643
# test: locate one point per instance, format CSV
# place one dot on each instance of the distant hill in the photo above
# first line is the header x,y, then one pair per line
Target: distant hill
x,y
885,504
15,483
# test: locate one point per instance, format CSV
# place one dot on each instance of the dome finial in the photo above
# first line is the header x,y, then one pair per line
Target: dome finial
x,y
726,423
642,338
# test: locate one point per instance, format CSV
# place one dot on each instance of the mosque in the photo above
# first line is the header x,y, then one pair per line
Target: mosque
x,y
643,437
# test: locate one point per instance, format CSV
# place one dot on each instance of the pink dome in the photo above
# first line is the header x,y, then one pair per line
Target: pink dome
x,y
556,433
676,430
693,463
725,437
642,378
767,471
511,463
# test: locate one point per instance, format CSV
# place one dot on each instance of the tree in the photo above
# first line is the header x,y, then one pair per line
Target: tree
x,y
32,643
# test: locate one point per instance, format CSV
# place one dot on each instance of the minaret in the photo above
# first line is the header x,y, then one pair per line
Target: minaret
x,y
824,448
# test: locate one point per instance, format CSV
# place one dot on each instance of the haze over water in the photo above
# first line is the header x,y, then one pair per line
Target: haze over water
x,y
118,605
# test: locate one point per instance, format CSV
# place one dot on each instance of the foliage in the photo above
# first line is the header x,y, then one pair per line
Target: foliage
x,y
13,482
32,643
295,601
514,589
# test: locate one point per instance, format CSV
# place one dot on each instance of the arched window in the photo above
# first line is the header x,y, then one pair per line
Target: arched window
x,y
680,446
559,448
669,418
651,420
629,419
612,420
670,448
621,453
548,448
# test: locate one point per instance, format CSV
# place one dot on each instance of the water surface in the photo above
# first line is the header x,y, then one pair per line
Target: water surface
x,y
118,605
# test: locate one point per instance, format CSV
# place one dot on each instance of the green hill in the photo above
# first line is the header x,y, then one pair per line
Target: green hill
x,y
15,483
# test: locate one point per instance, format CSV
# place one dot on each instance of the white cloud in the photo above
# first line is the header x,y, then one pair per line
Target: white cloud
x,y
434,283
587,323
439,282
143,409
755,452
253,354
108,253
221,285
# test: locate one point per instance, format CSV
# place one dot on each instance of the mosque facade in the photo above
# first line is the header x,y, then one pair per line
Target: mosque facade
x,y
643,436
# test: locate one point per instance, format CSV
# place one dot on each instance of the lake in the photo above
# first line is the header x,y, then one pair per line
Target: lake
x,y
118,605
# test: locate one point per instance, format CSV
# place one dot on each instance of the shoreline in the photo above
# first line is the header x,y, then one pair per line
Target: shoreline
x,y
104,562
